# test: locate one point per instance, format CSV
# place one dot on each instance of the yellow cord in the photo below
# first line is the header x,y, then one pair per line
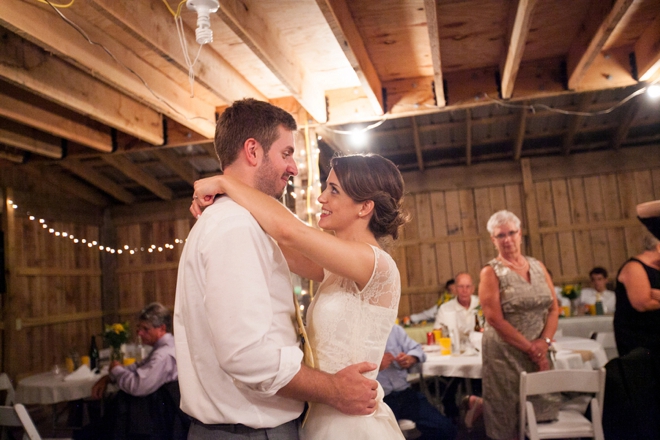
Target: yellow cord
x,y
178,9
56,5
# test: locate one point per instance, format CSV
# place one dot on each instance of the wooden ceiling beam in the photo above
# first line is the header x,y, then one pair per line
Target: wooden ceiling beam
x,y
647,51
433,26
41,25
177,164
64,183
520,134
468,136
516,47
341,22
626,121
20,106
12,157
29,139
133,171
271,48
57,81
601,21
575,122
418,145
97,179
212,70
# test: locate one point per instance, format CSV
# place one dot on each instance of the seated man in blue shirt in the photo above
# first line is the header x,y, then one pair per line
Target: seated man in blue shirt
x,y
145,377
147,404
401,353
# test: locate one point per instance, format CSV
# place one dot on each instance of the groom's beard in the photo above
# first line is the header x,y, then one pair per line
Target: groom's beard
x,y
268,180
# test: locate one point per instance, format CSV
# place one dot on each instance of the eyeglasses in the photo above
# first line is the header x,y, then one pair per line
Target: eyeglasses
x,y
510,234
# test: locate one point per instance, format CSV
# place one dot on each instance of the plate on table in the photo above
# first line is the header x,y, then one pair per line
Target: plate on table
x,y
430,348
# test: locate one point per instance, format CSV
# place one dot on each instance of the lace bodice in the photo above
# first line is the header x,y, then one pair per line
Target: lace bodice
x,y
346,325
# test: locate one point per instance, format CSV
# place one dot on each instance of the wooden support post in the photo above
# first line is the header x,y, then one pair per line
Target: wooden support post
x,y
418,146
531,210
468,137
109,282
10,324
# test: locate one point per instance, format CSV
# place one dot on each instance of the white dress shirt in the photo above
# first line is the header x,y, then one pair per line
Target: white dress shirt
x,y
464,317
236,343
588,296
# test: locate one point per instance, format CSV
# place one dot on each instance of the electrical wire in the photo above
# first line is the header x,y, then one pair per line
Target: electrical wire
x,y
137,75
178,9
532,107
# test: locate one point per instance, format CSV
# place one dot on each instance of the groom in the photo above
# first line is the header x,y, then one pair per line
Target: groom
x,y
237,350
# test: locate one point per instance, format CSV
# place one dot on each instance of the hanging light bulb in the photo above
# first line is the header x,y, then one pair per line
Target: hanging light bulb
x,y
204,8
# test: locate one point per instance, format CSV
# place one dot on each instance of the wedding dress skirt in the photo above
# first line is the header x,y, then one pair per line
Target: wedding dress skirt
x,y
326,423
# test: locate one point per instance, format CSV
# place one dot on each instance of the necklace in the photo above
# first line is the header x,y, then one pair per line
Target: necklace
x,y
514,266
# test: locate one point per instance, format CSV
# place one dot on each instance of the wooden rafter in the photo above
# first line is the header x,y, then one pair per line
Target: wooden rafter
x,y
28,19
647,51
123,164
517,40
98,180
601,22
626,121
271,48
343,26
20,106
29,139
520,133
431,9
213,71
67,86
418,146
12,157
468,136
177,164
65,183
574,124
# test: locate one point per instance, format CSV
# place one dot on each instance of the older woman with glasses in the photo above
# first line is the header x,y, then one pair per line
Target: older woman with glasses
x,y
519,303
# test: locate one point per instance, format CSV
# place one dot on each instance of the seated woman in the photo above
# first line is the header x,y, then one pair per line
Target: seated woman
x,y
637,315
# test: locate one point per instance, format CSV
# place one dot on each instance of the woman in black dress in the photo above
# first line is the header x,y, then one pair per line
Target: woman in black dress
x,y
637,315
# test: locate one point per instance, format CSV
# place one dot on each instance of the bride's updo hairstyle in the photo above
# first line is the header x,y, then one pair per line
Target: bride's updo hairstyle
x,y
372,177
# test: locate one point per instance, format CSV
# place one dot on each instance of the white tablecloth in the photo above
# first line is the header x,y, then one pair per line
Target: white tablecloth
x,y
470,366
582,326
48,388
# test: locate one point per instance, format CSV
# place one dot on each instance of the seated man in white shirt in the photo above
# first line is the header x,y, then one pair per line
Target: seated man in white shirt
x,y
462,307
598,291
431,313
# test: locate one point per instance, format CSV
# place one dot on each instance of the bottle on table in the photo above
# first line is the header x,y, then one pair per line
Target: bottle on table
x,y
139,350
477,325
93,355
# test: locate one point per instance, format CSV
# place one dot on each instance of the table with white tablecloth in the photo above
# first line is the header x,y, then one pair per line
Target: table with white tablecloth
x,y
50,388
572,352
583,326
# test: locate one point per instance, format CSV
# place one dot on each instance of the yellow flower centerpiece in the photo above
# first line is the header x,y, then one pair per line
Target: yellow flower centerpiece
x,y
115,335
572,292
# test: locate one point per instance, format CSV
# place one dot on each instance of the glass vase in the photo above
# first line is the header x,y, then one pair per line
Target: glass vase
x,y
575,306
116,354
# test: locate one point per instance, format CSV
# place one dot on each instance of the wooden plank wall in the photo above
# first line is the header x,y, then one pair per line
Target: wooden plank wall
x,y
144,276
584,217
53,301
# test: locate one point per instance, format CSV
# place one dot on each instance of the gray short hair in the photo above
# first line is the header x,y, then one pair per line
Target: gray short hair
x,y
157,314
501,218
650,242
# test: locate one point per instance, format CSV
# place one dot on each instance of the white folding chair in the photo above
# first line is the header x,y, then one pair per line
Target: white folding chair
x,y
5,385
17,416
570,423
607,341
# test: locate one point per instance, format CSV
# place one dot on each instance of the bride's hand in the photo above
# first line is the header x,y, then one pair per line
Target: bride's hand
x,y
204,193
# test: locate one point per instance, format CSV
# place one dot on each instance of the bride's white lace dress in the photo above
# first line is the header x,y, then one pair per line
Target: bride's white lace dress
x,y
347,326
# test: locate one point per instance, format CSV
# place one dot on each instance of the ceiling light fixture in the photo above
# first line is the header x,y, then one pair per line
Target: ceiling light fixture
x,y
204,8
653,90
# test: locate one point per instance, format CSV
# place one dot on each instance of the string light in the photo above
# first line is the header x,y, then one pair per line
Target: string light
x,y
94,243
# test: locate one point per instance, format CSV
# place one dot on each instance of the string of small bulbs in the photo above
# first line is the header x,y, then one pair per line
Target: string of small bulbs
x,y
124,249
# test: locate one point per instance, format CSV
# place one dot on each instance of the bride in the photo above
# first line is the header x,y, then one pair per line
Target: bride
x,y
352,313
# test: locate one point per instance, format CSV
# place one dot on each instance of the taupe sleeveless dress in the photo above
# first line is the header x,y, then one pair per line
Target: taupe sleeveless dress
x,y
525,306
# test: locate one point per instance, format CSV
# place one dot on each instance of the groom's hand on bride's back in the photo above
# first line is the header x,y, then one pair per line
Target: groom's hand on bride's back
x,y
356,395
